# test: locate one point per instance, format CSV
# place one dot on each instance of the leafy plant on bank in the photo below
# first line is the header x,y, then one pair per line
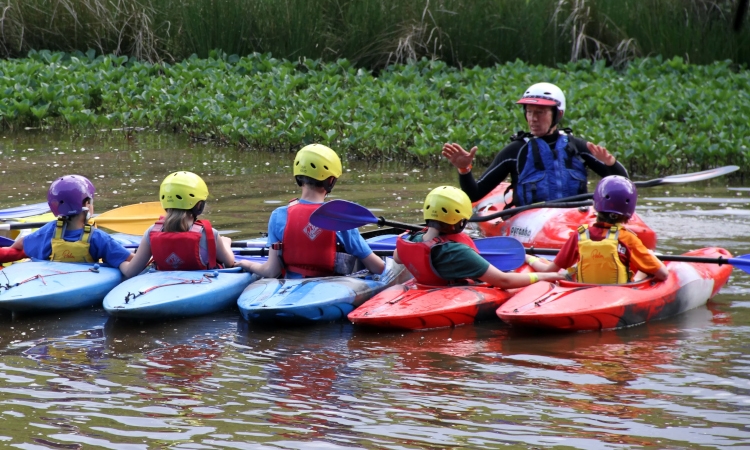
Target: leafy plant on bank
x,y
653,115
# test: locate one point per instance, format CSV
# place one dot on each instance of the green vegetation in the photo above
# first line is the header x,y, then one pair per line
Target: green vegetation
x,y
374,33
653,115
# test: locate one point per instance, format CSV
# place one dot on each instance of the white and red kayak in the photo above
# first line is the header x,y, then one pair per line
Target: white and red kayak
x,y
569,306
546,227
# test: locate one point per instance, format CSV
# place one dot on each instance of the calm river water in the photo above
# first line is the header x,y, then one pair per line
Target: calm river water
x,y
81,380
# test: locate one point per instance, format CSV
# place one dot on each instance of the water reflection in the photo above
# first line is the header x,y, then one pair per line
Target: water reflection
x,y
82,380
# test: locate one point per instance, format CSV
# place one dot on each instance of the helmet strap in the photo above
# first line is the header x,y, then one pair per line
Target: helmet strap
x,y
329,183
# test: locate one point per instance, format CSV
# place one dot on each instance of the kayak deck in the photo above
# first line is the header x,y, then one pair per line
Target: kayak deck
x,y
414,306
317,299
572,306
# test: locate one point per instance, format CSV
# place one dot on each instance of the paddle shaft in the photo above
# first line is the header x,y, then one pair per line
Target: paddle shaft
x,y
560,202
678,258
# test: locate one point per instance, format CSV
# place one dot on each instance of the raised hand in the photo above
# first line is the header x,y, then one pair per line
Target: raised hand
x,y
601,153
459,157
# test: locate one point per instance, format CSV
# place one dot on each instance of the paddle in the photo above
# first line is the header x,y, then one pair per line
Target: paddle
x,y
339,215
505,253
131,219
672,179
741,262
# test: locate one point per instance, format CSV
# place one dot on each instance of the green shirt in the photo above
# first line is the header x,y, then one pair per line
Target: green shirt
x,y
454,261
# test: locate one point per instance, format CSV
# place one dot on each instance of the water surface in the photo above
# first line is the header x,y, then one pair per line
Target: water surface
x,y
83,380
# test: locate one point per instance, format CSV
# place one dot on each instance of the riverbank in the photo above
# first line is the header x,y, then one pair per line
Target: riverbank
x,y
654,115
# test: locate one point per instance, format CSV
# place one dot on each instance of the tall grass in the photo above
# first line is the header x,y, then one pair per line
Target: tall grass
x,y
375,33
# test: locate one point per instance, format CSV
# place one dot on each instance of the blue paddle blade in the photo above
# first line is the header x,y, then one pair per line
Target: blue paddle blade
x,y
504,252
741,262
339,215
24,211
5,242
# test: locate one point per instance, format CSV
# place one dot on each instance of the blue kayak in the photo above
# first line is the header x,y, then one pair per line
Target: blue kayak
x,y
43,286
24,211
319,299
169,294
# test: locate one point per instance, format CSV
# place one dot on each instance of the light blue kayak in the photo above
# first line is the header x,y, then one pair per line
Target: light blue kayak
x,y
320,299
169,294
44,286
18,212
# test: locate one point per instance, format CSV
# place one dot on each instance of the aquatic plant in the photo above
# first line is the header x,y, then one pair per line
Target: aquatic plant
x,y
654,114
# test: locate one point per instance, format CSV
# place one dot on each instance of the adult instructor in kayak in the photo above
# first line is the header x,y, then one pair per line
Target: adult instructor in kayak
x,y
544,164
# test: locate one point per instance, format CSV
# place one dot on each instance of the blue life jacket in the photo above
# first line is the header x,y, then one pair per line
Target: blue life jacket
x,y
549,175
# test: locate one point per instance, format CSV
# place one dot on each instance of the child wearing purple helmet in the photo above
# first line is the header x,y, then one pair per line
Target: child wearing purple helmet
x,y
70,238
606,252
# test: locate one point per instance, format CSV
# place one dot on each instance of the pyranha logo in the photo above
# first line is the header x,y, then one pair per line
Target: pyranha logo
x,y
312,231
519,231
596,254
174,261
67,254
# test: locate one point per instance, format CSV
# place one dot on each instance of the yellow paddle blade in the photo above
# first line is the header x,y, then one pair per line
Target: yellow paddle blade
x,y
47,217
131,219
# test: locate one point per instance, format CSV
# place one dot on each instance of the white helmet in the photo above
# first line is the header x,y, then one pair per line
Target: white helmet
x,y
545,94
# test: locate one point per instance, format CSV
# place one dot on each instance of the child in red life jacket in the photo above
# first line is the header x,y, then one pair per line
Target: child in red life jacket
x,y
442,254
299,248
180,241
607,252
70,238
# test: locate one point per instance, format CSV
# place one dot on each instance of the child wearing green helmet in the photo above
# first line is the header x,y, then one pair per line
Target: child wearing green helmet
x,y
441,254
180,241
298,248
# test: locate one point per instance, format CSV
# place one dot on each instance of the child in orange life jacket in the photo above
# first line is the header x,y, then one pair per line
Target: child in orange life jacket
x,y
442,254
607,252
297,246
70,238
180,241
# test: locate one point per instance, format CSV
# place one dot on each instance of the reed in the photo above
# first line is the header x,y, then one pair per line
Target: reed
x,y
376,33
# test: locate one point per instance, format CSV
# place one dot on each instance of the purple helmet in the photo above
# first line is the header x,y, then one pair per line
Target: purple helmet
x,y
615,194
66,194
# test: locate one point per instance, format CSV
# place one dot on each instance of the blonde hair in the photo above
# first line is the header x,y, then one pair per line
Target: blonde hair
x,y
177,220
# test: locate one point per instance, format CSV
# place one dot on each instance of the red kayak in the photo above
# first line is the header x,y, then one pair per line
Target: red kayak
x,y
412,306
546,227
573,306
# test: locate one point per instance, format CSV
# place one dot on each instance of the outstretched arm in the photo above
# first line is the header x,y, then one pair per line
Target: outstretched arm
x,y
504,280
269,269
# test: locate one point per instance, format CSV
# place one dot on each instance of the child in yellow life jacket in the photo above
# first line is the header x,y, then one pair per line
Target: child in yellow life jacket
x,y
441,254
299,248
180,241
70,238
606,252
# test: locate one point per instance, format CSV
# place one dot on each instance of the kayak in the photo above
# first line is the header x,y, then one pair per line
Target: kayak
x,y
43,286
169,294
317,299
546,227
24,211
413,306
574,306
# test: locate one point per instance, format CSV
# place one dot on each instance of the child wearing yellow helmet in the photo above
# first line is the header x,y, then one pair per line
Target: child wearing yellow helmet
x,y
441,254
299,248
180,241
70,238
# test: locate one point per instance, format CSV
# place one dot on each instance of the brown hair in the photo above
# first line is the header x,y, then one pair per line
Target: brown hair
x,y
177,220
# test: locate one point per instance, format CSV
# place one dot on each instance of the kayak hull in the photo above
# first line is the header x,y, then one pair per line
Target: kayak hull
x,y
569,306
163,295
546,227
414,306
317,299
45,286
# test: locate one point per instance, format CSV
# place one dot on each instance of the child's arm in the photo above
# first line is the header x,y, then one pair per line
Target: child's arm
x,y
269,269
504,280
374,263
541,264
135,265
224,252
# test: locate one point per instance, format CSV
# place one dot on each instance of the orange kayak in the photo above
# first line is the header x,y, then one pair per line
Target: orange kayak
x,y
573,306
413,306
546,227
